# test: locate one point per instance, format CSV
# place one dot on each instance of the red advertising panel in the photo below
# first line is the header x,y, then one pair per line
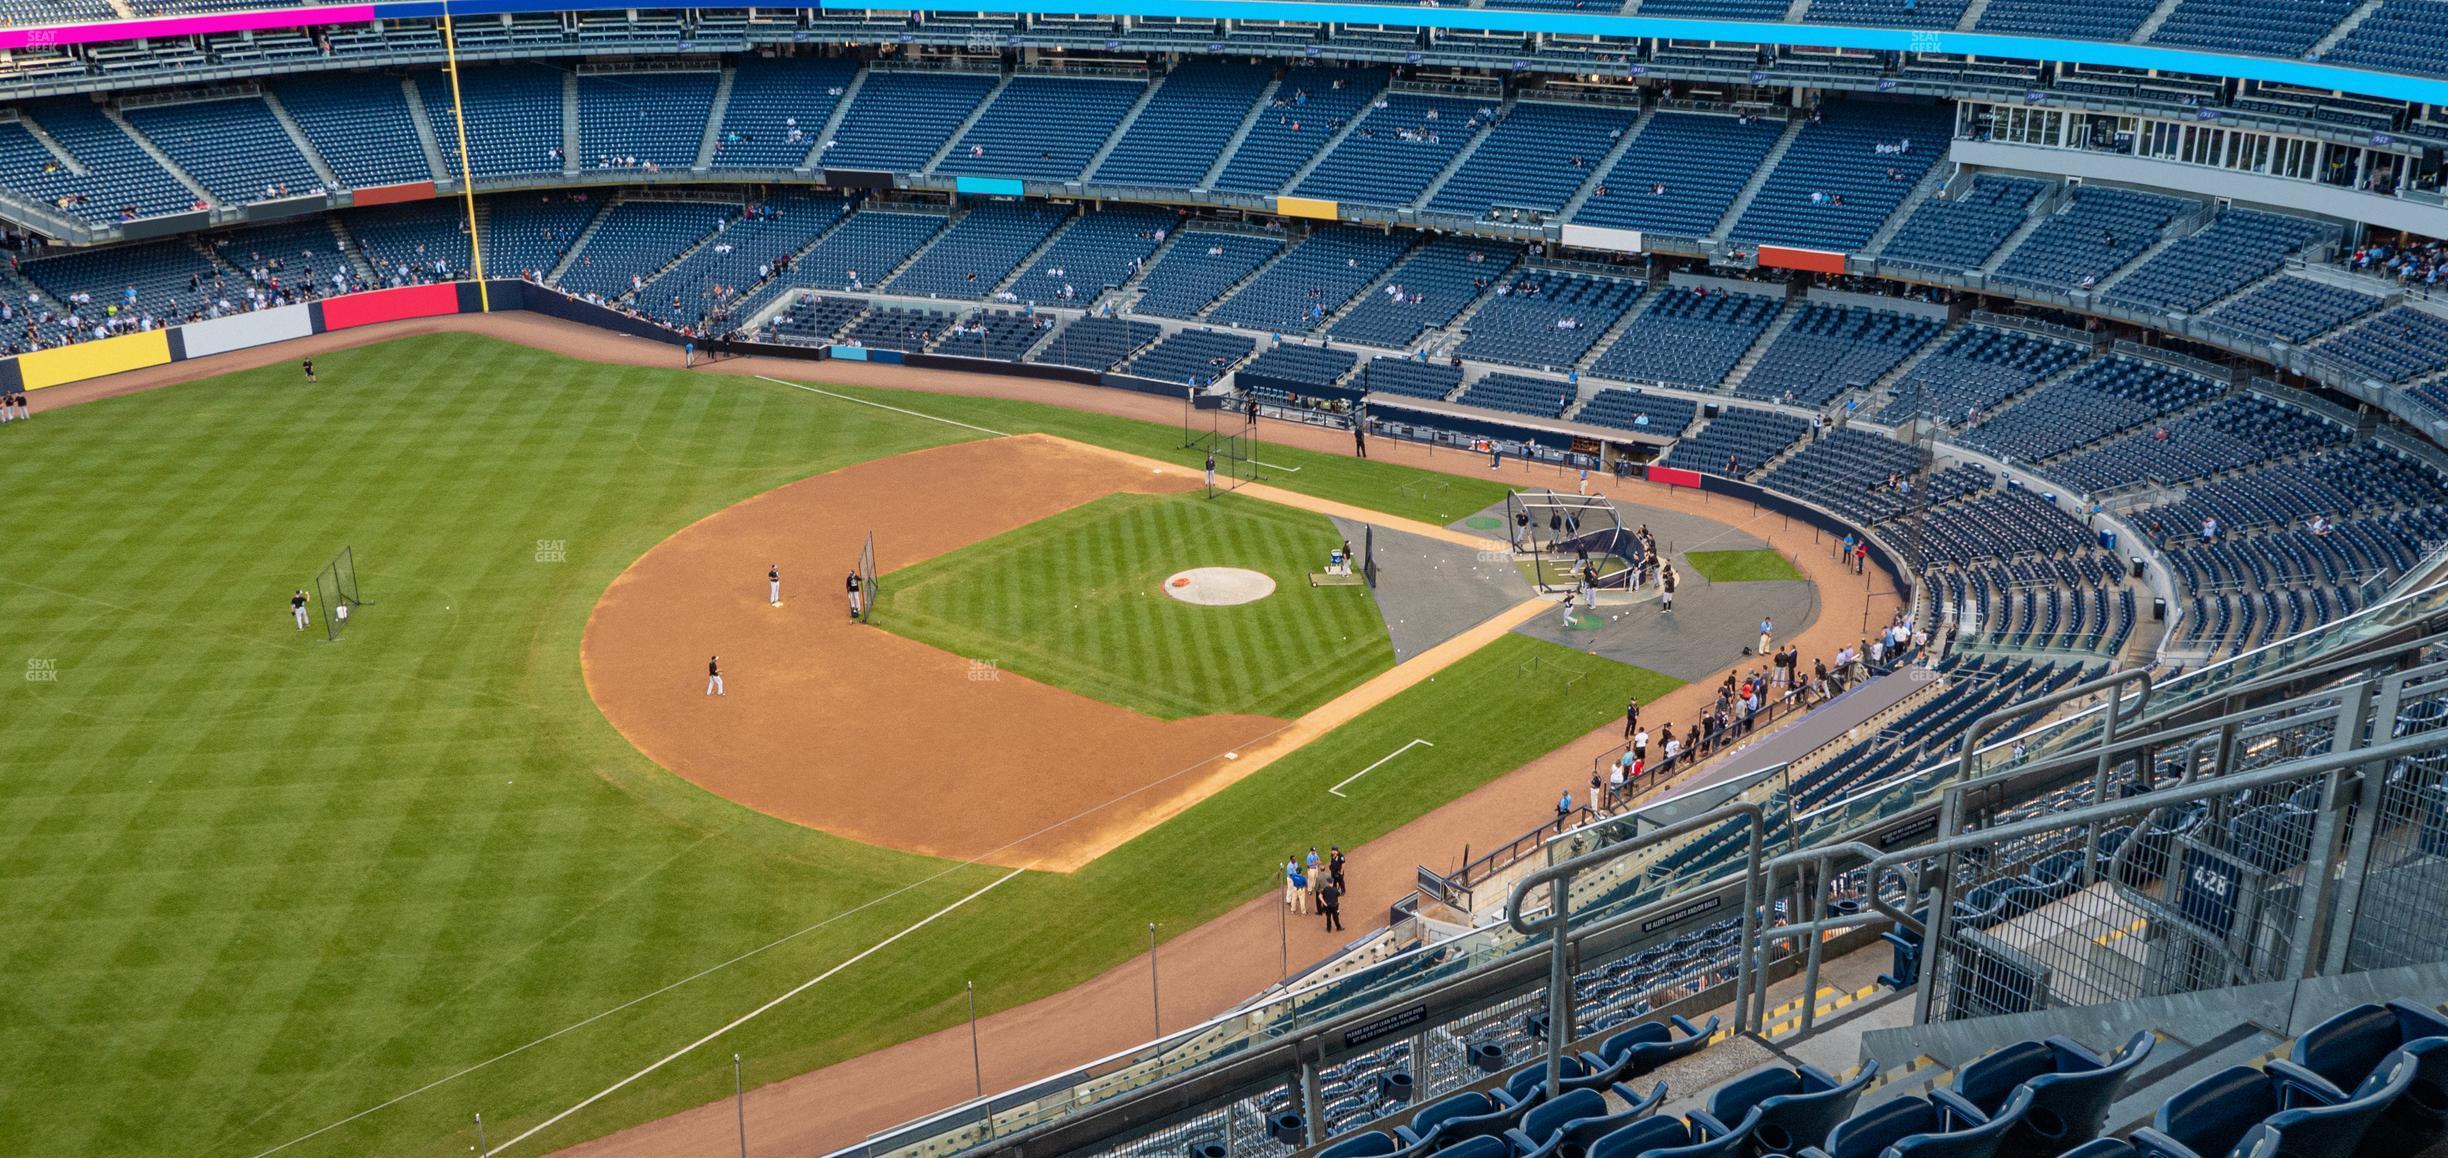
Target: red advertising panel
x,y
1810,260
1674,476
416,301
393,194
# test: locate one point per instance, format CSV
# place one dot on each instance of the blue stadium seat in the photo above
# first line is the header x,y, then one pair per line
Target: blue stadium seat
x,y
1961,233
2071,1088
1937,1126
1043,128
1400,145
1688,337
1680,174
1538,155
1309,106
513,118
2244,1111
900,120
776,110
361,126
1186,125
629,120
1546,319
1201,265
1782,1109
1833,187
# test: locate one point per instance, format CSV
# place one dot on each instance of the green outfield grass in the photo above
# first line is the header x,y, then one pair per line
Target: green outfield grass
x,y
1758,566
258,883
1077,601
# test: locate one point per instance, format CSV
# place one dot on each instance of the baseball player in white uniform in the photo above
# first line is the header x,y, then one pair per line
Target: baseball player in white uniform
x,y
773,584
714,684
297,608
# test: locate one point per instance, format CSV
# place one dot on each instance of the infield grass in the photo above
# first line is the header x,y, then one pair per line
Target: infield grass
x,y
1759,566
267,892
1077,601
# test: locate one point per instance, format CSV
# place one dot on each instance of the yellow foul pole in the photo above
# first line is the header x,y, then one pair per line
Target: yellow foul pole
x,y
467,179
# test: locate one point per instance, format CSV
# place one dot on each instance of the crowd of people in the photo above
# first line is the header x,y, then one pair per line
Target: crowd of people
x,y
1745,701
1315,884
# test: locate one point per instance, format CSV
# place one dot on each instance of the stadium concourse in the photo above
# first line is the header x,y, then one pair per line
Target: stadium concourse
x,y
1217,965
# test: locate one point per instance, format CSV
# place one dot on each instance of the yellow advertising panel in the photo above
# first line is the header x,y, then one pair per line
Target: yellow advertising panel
x,y
1305,207
94,359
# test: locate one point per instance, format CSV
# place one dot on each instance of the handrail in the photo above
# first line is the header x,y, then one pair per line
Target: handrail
x,y
1557,920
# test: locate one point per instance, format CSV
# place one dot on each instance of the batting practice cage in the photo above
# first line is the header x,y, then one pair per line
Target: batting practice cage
x,y
1554,531
866,569
336,592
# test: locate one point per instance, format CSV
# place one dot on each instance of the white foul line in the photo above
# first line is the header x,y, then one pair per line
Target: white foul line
x,y
881,406
1337,790
753,1014
1272,466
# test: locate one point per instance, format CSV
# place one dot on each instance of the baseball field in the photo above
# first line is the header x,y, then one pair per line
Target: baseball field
x,y
268,893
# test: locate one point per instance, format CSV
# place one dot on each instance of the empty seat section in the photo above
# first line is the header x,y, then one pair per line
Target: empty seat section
x,y
1962,232
1521,394
1835,186
361,126
1976,369
979,251
1538,155
1310,105
513,117
1201,266
2102,398
2078,19
1408,378
1400,145
120,181
900,120
629,120
1429,289
234,147
1688,337
1193,357
777,108
2269,27
1547,319
1739,437
2293,310
525,234
2230,434
2402,36
1680,175
1043,128
2100,230
1643,411
1096,252
999,335
635,240
1291,367
1312,280
2237,249
1887,13
1096,343
864,250
1186,125
2398,346
1827,350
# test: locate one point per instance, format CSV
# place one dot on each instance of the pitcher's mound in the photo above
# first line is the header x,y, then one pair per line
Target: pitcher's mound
x,y
1219,586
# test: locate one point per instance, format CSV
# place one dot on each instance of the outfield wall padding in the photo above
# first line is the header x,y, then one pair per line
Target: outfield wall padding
x,y
391,305
94,359
524,295
240,331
